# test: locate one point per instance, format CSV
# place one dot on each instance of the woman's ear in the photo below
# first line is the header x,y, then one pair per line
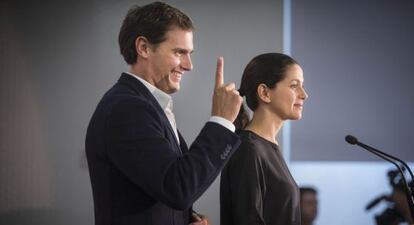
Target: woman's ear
x,y
142,46
263,93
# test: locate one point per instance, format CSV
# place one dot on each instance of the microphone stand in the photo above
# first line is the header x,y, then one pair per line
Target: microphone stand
x,y
390,159
394,158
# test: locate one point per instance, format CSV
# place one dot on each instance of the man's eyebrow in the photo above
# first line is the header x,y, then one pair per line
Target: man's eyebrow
x,y
183,50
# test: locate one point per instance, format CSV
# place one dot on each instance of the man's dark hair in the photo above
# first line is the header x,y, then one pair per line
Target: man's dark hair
x,y
304,190
151,21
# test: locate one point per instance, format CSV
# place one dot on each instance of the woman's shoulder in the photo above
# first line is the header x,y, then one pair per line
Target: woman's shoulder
x,y
249,138
250,156
251,145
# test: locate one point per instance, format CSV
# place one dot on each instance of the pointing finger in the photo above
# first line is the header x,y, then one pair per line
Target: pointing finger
x,y
219,72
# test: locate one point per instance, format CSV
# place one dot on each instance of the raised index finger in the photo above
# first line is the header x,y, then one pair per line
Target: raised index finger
x,y
219,72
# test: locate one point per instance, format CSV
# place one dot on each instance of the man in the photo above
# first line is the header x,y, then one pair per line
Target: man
x,y
141,169
308,205
402,209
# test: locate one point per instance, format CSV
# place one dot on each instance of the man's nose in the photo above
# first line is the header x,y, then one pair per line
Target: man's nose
x,y
186,63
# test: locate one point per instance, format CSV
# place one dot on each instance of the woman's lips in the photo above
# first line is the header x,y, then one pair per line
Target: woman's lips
x,y
298,105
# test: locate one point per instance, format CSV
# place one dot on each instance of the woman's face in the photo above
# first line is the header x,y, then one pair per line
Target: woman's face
x,y
288,96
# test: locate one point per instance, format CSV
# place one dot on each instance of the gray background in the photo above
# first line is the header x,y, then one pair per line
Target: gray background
x,y
57,60
357,57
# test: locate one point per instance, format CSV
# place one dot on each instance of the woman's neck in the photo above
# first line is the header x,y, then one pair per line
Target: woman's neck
x,y
265,124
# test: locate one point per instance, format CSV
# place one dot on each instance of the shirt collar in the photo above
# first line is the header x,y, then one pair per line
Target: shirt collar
x,y
162,98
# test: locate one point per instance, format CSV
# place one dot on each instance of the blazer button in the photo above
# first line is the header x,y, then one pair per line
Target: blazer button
x,y
226,152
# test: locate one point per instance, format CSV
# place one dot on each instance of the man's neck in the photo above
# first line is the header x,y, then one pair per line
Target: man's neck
x,y
139,70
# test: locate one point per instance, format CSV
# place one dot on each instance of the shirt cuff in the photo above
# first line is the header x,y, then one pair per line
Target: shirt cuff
x,y
224,122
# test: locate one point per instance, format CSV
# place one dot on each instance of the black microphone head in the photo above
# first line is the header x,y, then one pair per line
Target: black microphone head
x,y
351,139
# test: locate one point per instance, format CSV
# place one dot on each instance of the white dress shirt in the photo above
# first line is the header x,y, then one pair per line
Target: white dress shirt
x,y
166,103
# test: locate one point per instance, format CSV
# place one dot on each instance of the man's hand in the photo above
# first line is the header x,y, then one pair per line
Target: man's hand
x,y
226,99
198,219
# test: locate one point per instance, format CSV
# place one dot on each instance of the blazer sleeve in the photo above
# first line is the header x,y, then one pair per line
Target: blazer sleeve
x,y
137,146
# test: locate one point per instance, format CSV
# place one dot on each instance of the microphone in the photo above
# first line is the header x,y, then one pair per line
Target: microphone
x,y
354,141
351,139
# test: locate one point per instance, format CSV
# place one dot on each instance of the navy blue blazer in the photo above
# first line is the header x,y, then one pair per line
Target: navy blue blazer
x,y
139,173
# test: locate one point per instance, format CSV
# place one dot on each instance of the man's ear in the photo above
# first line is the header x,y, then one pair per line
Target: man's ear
x,y
142,46
263,93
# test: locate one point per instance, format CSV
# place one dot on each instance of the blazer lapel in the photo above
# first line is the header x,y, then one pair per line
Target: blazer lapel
x,y
183,145
140,89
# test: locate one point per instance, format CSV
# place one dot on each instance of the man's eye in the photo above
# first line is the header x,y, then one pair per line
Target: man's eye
x,y
179,53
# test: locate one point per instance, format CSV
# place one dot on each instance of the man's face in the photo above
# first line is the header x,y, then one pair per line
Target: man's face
x,y
309,206
170,59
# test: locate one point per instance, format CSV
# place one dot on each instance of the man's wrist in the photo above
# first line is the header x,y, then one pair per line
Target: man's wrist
x,y
224,122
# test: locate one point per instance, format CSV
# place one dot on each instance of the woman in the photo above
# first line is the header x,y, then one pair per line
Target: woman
x,y
256,185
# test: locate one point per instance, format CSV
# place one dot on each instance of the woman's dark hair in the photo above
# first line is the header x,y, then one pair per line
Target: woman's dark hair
x,y
268,69
151,21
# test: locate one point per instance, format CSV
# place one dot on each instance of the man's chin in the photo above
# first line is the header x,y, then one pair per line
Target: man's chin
x,y
173,90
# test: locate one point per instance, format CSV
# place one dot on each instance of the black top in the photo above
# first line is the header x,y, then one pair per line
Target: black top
x,y
257,187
